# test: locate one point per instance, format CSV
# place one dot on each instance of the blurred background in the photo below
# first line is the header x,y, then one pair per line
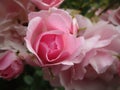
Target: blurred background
x,y
31,78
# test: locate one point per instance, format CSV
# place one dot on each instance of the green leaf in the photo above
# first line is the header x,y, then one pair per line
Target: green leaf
x,y
38,73
28,79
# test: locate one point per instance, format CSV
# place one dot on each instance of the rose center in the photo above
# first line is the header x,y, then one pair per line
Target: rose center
x,y
52,45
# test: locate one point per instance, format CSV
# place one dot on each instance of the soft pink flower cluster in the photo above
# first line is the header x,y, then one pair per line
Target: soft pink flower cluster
x,y
74,52
13,52
13,25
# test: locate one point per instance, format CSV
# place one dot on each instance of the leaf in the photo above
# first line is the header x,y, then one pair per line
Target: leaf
x,y
28,79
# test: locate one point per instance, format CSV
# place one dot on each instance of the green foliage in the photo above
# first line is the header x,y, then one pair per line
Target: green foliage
x,y
89,7
28,79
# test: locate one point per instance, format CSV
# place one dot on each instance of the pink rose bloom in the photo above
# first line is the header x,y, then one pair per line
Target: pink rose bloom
x,y
102,44
46,4
101,48
10,65
115,17
50,38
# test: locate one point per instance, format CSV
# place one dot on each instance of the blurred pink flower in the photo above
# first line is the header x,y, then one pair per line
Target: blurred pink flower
x,y
12,30
115,17
12,36
11,66
102,46
104,16
111,16
46,4
50,39
16,10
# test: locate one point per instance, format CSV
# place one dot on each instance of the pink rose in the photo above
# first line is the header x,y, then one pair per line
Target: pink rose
x,y
49,37
115,17
101,47
46,4
10,65
102,44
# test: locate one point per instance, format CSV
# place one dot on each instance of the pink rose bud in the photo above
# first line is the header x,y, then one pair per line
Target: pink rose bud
x,y
10,65
46,4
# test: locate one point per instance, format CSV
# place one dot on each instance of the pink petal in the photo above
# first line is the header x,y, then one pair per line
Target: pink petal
x,y
7,59
101,61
